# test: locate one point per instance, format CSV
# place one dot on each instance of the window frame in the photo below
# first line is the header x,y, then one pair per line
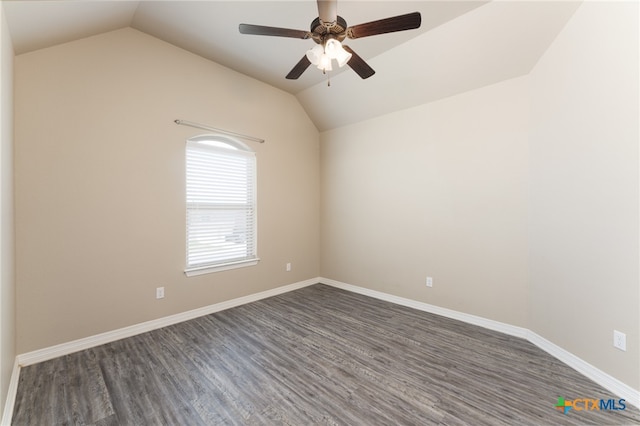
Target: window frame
x,y
226,145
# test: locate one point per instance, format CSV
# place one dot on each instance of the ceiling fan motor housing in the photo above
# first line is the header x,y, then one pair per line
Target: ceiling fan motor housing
x,y
322,31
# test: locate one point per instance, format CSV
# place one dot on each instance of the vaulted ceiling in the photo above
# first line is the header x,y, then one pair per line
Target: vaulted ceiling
x,y
461,45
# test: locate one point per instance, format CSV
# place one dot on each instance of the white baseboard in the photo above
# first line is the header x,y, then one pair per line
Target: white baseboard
x,y
629,394
7,414
62,349
624,391
471,319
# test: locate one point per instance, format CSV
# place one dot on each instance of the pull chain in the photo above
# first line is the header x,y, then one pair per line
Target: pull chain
x,y
325,72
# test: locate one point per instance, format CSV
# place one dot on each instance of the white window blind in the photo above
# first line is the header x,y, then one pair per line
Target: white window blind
x,y
221,204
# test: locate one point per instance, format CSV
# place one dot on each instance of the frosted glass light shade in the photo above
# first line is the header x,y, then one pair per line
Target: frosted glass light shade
x,y
332,47
343,57
325,63
313,55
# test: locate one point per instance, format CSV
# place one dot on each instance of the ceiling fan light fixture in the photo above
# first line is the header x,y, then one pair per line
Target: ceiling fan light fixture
x,y
333,48
313,55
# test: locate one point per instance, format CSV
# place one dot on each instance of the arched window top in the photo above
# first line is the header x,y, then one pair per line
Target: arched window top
x,y
220,142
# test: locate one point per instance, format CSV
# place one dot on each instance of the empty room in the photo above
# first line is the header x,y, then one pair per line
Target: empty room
x,y
319,212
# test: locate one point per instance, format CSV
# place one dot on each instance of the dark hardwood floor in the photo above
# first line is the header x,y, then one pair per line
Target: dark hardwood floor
x,y
318,355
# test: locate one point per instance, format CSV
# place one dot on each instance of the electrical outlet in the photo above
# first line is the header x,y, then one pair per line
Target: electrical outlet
x,y
429,282
288,267
160,293
619,340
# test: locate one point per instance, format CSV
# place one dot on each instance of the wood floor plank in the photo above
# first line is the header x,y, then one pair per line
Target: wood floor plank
x,y
88,396
317,355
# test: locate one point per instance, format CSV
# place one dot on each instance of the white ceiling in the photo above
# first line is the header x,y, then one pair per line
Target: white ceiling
x,y
461,45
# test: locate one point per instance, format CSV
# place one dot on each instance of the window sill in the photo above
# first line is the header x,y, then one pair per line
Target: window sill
x,y
192,272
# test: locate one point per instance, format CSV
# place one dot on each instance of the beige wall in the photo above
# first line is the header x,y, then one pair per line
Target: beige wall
x,y
7,271
438,190
99,169
584,189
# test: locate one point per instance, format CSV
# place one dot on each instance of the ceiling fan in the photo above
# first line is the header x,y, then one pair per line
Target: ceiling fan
x,y
328,30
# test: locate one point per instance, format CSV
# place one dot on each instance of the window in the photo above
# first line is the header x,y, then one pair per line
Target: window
x,y
221,205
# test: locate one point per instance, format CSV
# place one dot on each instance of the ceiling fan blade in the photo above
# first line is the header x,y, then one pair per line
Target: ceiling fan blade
x,y
272,31
358,64
299,68
409,21
328,10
